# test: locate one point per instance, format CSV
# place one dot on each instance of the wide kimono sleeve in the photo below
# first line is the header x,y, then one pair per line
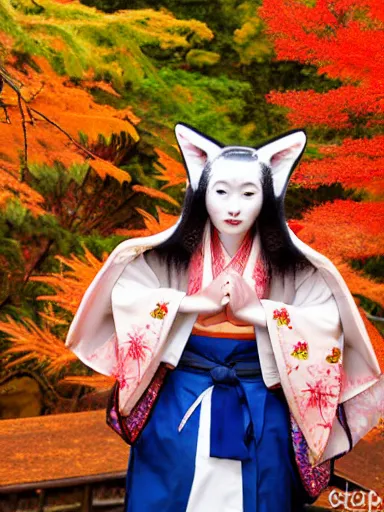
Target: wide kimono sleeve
x,y
127,336
145,306
306,338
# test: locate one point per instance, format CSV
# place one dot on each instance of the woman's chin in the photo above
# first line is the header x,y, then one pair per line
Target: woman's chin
x,y
229,229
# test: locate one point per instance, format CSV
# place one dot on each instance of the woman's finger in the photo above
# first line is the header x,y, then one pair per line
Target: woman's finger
x,y
225,300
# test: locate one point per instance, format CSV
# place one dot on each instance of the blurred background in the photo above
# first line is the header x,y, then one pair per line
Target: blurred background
x,y
89,94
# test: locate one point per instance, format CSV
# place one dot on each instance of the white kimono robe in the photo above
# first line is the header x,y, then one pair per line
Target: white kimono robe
x,y
315,343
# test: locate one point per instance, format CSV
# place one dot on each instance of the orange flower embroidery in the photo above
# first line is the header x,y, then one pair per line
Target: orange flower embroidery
x,y
282,317
160,311
300,350
335,356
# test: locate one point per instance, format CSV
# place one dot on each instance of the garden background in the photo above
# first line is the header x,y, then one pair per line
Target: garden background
x,y
89,95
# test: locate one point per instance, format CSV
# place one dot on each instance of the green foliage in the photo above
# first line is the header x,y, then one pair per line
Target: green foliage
x,y
374,309
249,40
100,245
76,39
372,267
141,54
299,199
201,59
214,105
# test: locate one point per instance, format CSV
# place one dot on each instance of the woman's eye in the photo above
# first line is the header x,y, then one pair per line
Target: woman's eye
x,y
249,194
221,192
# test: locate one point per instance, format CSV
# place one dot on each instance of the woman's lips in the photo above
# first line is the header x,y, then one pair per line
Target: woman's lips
x,y
233,222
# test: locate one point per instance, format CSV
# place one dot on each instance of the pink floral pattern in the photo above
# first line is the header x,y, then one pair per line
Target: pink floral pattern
x,y
312,390
319,395
260,276
137,345
322,392
135,352
122,372
291,368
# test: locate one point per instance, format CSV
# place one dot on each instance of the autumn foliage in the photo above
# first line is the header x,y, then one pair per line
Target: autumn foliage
x,y
345,229
344,41
72,176
356,163
74,277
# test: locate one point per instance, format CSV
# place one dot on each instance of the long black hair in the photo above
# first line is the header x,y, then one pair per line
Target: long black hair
x,y
278,251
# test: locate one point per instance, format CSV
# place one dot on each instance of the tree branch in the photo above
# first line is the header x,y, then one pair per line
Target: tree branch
x,y
24,163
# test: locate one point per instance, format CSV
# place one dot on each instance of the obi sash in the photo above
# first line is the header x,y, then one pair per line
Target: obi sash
x,y
231,424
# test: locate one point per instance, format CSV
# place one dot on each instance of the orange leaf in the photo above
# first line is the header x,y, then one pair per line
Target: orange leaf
x,y
376,338
104,168
345,229
96,381
70,285
12,188
39,343
171,171
152,225
152,192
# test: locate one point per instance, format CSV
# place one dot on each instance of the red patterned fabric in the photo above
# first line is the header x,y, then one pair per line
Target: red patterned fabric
x,y
237,263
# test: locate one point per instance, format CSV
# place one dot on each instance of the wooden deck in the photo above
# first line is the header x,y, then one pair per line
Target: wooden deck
x,y
364,465
59,450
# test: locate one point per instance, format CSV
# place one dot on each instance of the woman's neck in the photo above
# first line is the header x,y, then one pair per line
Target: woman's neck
x,y
231,243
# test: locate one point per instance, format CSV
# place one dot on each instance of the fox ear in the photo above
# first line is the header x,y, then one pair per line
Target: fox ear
x,y
196,150
282,155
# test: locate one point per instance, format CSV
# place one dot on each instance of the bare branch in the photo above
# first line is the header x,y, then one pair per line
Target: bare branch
x,y
4,107
24,163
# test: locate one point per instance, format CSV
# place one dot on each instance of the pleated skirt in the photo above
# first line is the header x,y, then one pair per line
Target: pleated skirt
x,y
162,464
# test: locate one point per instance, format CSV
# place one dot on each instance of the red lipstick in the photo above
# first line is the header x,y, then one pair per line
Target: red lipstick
x,y
233,222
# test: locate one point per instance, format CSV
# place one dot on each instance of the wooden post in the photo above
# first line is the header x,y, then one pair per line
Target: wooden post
x,y
87,499
41,495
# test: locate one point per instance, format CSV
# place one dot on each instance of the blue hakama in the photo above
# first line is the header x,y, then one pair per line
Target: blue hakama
x,y
163,460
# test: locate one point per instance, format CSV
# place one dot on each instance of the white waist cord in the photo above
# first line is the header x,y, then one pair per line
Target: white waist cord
x,y
217,484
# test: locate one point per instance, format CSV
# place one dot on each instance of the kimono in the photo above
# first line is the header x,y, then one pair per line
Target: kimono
x,y
314,345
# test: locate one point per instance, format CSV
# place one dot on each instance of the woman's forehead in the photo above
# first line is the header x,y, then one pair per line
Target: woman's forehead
x,y
235,172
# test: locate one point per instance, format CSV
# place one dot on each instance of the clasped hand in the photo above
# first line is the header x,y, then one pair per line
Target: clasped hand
x,y
228,293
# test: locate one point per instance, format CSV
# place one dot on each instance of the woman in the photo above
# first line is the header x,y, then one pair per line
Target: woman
x,y
230,272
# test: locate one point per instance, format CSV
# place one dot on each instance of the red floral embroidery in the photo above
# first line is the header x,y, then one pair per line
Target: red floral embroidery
x,y
160,311
335,356
137,348
120,370
320,396
300,350
282,317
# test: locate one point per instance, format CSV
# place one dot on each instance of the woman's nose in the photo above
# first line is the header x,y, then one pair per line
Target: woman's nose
x,y
234,213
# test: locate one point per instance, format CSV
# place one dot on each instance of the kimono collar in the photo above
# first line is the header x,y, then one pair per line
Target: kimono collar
x,y
210,259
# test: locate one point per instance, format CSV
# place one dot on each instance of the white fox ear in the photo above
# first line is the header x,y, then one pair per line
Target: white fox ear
x,y
282,155
196,150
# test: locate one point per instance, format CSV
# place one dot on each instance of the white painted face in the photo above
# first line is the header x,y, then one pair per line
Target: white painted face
x,y
234,195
